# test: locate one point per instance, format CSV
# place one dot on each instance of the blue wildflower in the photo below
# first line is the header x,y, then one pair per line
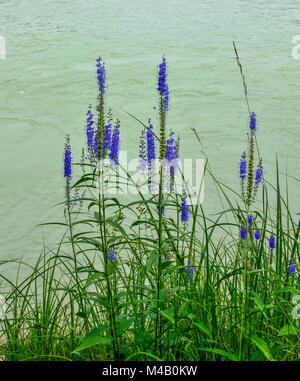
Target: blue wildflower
x,y
257,234
67,159
292,269
252,123
101,75
112,254
190,271
243,233
258,174
250,219
243,166
150,144
184,208
164,103
170,148
90,130
162,86
115,142
272,242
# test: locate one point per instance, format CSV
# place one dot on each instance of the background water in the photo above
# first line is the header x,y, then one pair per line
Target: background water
x,y
48,80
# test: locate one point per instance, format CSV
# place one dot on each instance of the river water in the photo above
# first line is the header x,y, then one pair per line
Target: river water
x,y
48,80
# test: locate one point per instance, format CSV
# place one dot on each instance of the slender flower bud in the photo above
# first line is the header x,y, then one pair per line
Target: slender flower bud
x,y
250,219
162,78
115,143
150,144
258,174
67,159
243,166
292,269
252,123
170,148
90,133
257,235
67,168
243,233
272,242
184,208
101,75
112,254
190,271
250,169
170,156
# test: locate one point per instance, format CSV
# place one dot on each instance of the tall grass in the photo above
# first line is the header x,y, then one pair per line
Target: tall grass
x,y
79,304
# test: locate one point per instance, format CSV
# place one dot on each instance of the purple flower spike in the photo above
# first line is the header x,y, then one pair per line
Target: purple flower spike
x,y
67,159
90,130
150,144
190,270
101,75
115,142
112,254
292,269
162,78
252,123
257,235
184,208
243,233
272,242
258,174
243,166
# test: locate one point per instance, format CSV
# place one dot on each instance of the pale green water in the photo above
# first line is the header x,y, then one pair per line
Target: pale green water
x,y
48,81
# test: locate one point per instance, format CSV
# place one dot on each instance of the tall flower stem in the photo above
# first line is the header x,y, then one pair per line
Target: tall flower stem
x,y
102,226
163,107
72,243
250,169
68,176
159,275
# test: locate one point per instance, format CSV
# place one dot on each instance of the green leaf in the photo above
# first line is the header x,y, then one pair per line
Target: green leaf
x,y
93,338
261,344
164,265
287,330
124,325
202,327
169,315
230,356
287,289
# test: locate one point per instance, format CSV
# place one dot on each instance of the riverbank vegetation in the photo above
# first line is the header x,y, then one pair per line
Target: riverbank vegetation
x,y
158,278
